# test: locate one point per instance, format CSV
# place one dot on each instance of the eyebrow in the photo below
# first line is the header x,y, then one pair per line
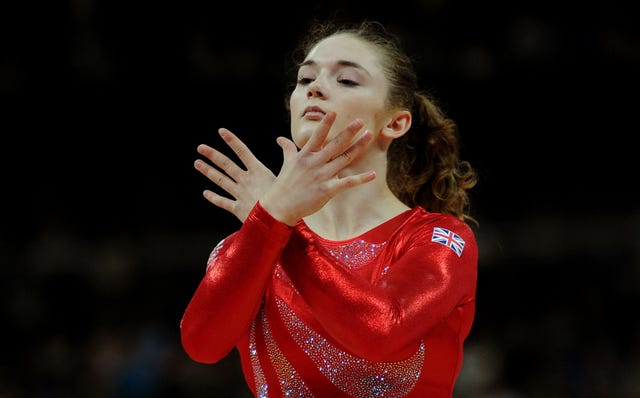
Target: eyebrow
x,y
340,62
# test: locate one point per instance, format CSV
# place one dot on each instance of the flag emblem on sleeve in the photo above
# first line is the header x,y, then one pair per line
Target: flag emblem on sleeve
x,y
448,238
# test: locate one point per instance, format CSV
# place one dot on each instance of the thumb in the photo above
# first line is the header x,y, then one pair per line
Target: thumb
x,y
288,147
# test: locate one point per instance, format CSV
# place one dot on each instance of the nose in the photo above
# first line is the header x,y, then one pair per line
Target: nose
x,y
315,90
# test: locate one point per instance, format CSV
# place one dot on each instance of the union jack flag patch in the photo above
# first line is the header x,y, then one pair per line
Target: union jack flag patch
x,y
450,239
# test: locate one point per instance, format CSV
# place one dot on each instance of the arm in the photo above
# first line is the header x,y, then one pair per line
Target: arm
x,y
229,296
384,320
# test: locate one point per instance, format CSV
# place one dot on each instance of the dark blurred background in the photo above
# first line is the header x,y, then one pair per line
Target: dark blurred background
x,y
105,233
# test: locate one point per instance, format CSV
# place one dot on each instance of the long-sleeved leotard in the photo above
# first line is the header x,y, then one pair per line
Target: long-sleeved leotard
x,y
384,314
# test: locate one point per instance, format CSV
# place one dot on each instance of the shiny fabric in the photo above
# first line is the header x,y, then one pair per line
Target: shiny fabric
x,y
384,314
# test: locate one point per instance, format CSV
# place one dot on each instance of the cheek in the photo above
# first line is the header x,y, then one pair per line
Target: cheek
x,y
296,101
294,109
364,109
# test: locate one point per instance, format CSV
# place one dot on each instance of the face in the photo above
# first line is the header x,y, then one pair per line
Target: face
x,y
342,74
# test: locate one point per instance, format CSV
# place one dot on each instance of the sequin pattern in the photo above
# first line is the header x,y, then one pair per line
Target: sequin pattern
x,y
290,381
356,254
262,389
353,375
214,253
279,272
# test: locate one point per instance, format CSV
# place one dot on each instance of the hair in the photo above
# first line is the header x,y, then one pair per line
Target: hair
x,y
424,166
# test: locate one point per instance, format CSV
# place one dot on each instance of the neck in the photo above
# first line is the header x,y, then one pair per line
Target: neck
x,y
355,211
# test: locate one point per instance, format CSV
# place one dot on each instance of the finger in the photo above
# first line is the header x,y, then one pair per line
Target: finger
x,y
317,139
219,200
342,141
343,159
288,147
343,183
217,177
239,148
221,160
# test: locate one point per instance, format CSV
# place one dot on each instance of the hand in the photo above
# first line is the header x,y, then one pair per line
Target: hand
x,y
309,178
245,186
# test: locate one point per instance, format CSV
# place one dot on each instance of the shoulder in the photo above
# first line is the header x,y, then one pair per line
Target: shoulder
x,y
446,230
422,220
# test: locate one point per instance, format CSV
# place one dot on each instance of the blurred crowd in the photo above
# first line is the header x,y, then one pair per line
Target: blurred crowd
x,y
99,259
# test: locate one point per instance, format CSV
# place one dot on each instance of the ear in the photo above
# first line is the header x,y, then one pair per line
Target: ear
x,y
398,125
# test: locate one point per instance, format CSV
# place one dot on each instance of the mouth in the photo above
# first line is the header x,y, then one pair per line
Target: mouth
x,y
313,112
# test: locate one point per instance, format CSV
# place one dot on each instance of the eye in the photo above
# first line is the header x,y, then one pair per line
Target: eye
x,y
303,81
348,82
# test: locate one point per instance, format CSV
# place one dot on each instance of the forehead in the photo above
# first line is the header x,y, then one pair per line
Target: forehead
x,y
346,47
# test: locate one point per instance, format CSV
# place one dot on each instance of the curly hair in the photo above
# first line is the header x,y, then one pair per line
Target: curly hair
x,y
424,166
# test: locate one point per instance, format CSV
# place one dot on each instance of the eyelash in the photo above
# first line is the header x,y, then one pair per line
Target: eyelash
x,y
305,80
348,82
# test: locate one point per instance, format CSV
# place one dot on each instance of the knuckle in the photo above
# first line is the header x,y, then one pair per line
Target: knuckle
x,y
324,189
241,151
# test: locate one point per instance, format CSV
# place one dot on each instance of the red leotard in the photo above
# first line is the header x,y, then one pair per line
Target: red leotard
x,y
384,314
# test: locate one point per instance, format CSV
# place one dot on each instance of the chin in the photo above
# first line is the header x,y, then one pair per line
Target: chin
x,y
301,136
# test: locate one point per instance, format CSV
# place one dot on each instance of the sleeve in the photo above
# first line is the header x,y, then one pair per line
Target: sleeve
x,y
230,293
383,321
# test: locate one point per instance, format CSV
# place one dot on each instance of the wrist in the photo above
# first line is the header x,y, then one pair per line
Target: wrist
x,y
277,211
